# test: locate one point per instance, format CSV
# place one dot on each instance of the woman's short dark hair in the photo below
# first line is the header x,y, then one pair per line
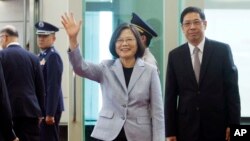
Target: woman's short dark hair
x,y
192,10
116,34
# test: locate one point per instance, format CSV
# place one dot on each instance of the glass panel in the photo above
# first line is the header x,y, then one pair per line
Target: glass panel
x,y
234,31
98,28
98,0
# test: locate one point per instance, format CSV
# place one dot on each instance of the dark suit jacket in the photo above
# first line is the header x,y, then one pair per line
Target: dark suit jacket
x,y
6,132
202,110
24,80
52,67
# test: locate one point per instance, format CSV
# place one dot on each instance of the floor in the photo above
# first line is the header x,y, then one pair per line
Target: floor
x,y
63,133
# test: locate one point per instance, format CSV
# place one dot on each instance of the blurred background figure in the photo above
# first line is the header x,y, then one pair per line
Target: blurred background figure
x,y
25,85
147,33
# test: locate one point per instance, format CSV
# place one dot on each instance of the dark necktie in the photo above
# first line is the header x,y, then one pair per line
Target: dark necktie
x,y
197,64
41,55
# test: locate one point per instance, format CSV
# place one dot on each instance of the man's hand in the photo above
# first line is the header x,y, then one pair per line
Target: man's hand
x,y
49,120
172,138
228,134
16,139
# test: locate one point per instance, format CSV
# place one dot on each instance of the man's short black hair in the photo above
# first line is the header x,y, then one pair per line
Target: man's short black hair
x,y
192,9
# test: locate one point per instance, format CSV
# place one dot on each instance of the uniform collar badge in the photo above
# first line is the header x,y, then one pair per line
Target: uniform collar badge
x,y
42,62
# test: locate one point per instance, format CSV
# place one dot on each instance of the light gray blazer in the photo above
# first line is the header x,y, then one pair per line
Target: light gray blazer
x,y
138,108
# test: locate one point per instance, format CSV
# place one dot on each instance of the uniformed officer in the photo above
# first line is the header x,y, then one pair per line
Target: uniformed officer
x,y
147,33
52,67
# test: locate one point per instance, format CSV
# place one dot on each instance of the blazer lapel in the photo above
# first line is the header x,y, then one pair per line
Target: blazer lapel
x,y
136,74
207,52
118,70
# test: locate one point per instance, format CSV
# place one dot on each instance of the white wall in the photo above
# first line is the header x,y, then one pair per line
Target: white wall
x,y
52,10
51,13
11,13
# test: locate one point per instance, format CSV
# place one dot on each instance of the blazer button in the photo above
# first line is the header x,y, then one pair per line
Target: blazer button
x,y
198,92
123,118
124,106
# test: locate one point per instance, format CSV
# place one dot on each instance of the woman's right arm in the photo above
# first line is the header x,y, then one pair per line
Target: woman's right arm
x,y
80,66
72,28
83,68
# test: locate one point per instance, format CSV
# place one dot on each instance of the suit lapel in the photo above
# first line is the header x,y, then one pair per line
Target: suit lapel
x,y
136,74
118,70
207,52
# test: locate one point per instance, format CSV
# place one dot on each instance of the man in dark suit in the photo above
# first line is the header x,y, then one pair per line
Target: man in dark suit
x,y
6,126
52,67
202,96
24,81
